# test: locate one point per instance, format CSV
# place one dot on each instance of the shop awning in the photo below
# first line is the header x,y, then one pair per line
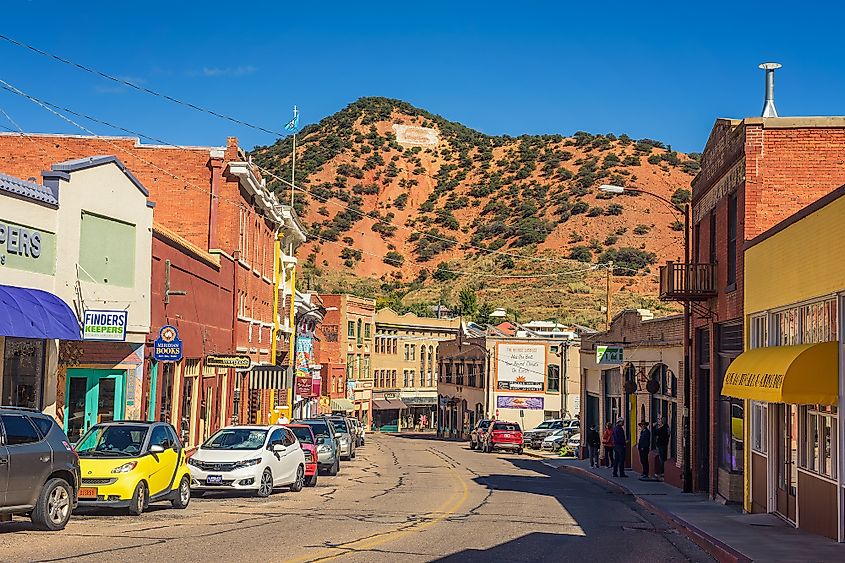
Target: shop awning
x,y
388,404
33,313
344,405
805,374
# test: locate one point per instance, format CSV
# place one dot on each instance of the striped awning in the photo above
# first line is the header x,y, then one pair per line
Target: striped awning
x,y
344,405
269,377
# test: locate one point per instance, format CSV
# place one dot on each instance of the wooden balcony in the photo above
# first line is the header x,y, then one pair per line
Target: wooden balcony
x,y
687,282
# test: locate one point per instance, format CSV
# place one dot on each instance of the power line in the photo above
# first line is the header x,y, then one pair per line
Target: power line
x,y
139,88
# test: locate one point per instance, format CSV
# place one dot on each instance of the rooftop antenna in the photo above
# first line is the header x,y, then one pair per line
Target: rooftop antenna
x,y
769,106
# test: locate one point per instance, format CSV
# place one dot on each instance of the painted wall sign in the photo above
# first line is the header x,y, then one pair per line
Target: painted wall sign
x,y
508,402
521,367
609,355
167,347
239,362
26,248
104,325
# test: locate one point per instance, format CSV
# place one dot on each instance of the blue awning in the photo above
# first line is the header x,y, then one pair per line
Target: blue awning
x,y
33,313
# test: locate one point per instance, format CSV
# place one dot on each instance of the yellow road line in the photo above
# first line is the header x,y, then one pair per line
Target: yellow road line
x,y
446,510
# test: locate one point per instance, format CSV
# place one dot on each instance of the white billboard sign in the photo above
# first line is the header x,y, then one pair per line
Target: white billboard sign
x,y
521,367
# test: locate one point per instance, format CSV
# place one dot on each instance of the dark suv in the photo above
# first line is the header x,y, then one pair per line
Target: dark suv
x,y
39,471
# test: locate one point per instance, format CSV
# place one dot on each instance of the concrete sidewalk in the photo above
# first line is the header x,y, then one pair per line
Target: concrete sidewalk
x,y
723,531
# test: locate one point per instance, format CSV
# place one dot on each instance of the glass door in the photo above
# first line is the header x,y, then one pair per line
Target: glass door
x,y
787,459
92,396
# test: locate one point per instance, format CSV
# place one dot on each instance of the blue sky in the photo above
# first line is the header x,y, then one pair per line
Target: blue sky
x,y
658,70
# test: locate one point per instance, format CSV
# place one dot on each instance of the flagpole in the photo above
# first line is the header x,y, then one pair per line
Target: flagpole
x,y
293,161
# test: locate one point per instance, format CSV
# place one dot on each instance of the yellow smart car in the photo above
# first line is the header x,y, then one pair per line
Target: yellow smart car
x,y
130,464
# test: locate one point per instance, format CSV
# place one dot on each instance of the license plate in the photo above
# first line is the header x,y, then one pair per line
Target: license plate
x,y
87,492
214,480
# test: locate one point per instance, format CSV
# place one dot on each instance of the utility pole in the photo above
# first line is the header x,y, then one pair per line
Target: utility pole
x,y
293,157
609,293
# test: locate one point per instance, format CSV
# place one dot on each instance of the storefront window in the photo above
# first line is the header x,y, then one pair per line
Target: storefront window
x,y
818,439
23,372
166,391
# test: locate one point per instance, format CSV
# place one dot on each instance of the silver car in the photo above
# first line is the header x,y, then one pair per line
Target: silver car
x,y
328,445
345,435
39,472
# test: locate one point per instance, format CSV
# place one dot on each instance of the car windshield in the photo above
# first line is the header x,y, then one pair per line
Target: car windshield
x,y
319,428
484,424
543,425
559,432
506,426
339,426
112,441
236,439
302,434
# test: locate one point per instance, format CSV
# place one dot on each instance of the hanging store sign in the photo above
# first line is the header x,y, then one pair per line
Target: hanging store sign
x,y
303,386
105,325
238,362
609,355
167,347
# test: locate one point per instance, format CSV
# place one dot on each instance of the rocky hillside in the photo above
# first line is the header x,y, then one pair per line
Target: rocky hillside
x,y
403,200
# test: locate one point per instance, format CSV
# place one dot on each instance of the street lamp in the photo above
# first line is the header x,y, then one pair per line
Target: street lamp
x,y
611,189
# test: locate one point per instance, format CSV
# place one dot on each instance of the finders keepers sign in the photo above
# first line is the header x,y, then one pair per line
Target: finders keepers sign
x,y
521,367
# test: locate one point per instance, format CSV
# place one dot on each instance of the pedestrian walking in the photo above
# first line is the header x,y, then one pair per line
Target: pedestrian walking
x,y
644,447
607,443
620,444
662,435
593,443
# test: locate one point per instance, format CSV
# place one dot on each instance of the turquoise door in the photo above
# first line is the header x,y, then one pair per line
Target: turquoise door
x,y
92,396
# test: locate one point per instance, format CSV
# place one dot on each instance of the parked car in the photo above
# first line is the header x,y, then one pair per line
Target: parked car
x,y
476,435
308,443
572,426
359,431
503,435
129,464
534,438
573,444
555,440
39,469
254,458
345,436
328,446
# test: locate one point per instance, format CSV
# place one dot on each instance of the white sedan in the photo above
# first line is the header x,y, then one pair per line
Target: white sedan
x,y
252,458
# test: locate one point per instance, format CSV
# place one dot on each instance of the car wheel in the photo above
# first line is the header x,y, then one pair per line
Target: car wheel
x,y
334,469
297,485
519,451
139,499
53,507
183,494
265,486
312,481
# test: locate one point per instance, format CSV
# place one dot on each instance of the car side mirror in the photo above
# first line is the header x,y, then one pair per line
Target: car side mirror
x,y
277,447
156,449
321,440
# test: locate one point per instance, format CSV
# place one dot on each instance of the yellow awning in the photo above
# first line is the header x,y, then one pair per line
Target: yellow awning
x,y
806,374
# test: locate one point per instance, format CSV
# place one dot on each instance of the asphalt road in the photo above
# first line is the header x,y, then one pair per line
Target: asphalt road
x,y
404,498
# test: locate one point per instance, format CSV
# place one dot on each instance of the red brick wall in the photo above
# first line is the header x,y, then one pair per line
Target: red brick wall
x,y
785,169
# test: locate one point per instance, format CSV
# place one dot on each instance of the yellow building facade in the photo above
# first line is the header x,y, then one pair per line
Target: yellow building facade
x,y
790,374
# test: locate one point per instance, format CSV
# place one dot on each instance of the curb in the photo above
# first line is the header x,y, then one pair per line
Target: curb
x,y
714,547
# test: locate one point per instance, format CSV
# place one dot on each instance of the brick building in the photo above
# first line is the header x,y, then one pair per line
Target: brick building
x,y
346,345
214,199
754,173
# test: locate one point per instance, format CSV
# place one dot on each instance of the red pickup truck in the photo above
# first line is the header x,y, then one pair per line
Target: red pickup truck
x,y
504,436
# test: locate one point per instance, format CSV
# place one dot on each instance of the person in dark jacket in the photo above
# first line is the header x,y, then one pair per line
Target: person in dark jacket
x,y
620,443
593,443
662,435
643,447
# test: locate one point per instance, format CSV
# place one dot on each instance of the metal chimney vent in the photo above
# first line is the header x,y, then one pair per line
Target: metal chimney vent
x,y
769,105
